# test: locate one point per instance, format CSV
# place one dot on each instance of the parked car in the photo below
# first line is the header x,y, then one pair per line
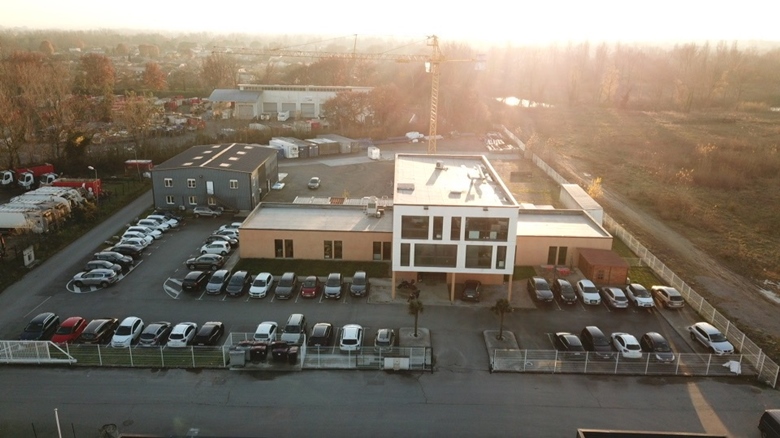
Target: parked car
x,y
639,295
310,287
182,335
169,214
102,264
221,248
222,238
593,339
173,223
209,333
266,332
656,345
115,257
98,331
207,212
155,334
231,226
333,286
384,340
614,297
261,285
41,327
471,290
195,281
314,182
128,332
208,262
321,335
148,231
351,337
564,290
669,297
142,242
96,277
295,329
627,345
153,224
570,345
69,330
588,292
238,284
218,282
540,289
715,341
286,286
360,284
128,249
229,232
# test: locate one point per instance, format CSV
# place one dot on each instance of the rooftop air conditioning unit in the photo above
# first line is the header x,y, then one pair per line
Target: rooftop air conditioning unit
x,y
440,165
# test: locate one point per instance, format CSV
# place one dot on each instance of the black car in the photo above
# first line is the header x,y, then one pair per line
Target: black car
x,y
218,282
321,335
195,281
98,331
114,257
41,328
155,334
471,290
540,289
206,262
102,264
286,286
209,333
654,343
570,345
565,291
239,284
360,284
127,249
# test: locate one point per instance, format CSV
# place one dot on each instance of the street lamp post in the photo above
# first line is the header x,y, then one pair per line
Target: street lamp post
x,y
97,197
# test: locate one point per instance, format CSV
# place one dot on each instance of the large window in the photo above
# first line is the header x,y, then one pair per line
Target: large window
x,y
405,249
487,228
501,257
190,183
414,227
382,250
479,256
283,248
444,256
438,227
556,255
168,182
332,249
169,200
455,228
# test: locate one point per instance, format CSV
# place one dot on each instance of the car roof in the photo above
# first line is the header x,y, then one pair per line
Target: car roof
x,y
71,321
180,327
707,327
130,320
656,337
586,282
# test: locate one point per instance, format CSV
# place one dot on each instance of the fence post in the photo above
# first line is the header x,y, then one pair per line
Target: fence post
x,y
100,356
677,366
707,373
130,350
647,363
555,364
192,352
587,357
617,361
162,357
742,342
728,326
525,358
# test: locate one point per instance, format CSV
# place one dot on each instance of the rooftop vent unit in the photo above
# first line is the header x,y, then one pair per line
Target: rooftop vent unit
x,y
440,165
405,186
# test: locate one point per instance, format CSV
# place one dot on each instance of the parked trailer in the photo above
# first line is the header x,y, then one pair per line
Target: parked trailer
x,y
24,219
74,195
90,185
62,205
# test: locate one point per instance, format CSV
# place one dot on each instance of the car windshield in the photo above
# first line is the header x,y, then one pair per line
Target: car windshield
x,y
34,327
349,341
641,293
176,336
292,329
63,330
217,278
620,298
333,282
662,347
88,335
589,289
633,347
236,280
260,282
600,342
123,330
147,335
675,298
542,285
309,283
286,282
359,281
566,288
717,337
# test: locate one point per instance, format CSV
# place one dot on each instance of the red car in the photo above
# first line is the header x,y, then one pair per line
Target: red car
x,y
311,287
69,330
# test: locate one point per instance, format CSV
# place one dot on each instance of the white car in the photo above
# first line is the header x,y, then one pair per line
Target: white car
x,y
231,226
351,337
128,331
170,221
266,332
206,211
626,345
639,295
153,232
710,337
588,292
138,235
160,220
221,248
230,232
182,334
137,241
153,224
261,285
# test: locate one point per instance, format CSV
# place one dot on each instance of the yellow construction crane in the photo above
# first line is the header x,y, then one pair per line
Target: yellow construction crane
x,y
433,61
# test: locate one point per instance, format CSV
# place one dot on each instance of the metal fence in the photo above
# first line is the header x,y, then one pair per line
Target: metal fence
x,y
396,358
687,364
767,370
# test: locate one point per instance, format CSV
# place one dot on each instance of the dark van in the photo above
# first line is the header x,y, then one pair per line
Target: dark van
x,y
593,339
769,424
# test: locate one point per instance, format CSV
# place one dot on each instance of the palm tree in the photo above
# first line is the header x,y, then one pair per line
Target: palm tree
x,y
502,307
415,308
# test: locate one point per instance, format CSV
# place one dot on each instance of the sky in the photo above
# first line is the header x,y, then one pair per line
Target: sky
x,y
494,21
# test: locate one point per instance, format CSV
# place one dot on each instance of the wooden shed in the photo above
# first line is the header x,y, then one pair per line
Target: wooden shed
x,y
603,266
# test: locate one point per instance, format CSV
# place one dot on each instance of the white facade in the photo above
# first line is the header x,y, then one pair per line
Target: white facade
x,y
302,101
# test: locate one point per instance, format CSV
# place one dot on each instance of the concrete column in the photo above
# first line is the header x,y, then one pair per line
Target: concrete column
x,y
392,284
452,288
509,289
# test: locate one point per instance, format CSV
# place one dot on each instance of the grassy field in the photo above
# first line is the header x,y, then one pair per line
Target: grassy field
x,y
714,177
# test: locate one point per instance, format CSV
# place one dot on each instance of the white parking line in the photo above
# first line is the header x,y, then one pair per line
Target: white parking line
x,y
39,305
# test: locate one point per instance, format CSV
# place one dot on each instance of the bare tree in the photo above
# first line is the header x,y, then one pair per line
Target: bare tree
x,y
219,71
136,117
415,308
501,308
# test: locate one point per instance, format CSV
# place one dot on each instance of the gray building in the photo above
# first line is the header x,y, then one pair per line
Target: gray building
x,y
234,176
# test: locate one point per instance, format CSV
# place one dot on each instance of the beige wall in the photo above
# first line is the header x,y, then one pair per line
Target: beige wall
x,y
532,251
310,244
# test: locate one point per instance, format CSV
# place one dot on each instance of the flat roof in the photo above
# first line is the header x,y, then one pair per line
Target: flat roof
x,y
307,217
558,223
453,180
239,157
233,95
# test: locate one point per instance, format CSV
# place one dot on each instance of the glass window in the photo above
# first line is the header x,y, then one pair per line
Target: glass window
x,y
455,228
562,255
233,183
414,227
288,248
279,248
405,249
501,257
438,225
168,182
435,255
193,200
190,183
551,252
328,249
479,256
487,228
169,200
212,201
337,249
377,251
387,250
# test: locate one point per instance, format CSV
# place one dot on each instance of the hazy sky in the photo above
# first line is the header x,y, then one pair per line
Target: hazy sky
x,y
519,21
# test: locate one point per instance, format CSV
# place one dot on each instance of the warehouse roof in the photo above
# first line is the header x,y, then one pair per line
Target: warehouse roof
x,y
558,223
239,157
231,95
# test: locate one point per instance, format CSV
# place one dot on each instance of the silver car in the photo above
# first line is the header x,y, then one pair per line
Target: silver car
x,y
96,277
